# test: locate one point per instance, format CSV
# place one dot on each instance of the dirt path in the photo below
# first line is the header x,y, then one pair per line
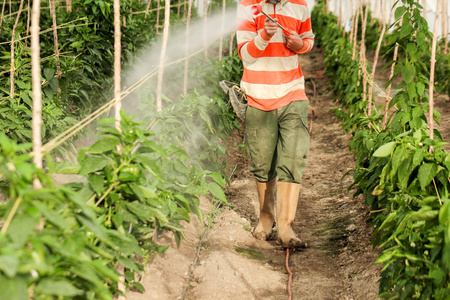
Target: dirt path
x,y
233,265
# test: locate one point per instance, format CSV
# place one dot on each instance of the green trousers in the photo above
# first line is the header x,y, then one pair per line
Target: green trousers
x,y
278,142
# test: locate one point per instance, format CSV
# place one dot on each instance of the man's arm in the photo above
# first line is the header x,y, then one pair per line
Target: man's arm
x,y
303,41
251,41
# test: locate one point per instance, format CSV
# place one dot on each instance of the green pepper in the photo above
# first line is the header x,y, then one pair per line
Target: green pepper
x,y
129,173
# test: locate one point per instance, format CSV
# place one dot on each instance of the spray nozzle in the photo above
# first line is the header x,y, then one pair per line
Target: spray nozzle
x,y
257,9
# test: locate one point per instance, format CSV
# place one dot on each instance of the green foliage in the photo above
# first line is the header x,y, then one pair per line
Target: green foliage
x,y
401,172
86,45
66,241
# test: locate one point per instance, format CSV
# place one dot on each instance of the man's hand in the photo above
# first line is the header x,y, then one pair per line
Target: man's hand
x,y
294,42
270,27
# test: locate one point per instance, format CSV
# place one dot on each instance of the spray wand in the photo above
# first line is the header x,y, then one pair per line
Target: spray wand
x,y
257,8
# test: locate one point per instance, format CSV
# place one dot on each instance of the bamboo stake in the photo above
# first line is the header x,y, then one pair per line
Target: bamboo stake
x,y
339,13
231,44
375,62
355,33
425,9
222,30
445,31
55,40
162,57
117,62
327,7
68,5
36,89
3,13
149,2
117,107
388,92
433,62
352,28
347,16
28,18
179,7
186,52
363,53
13,37
158,7
205,28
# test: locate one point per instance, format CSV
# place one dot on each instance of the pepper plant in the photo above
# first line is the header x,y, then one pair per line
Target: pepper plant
x,y
401,172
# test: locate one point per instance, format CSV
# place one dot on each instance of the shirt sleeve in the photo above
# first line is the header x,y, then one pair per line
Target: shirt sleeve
x,y
306,33
251,41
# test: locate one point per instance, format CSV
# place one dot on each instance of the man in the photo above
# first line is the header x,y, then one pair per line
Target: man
x,y
276,117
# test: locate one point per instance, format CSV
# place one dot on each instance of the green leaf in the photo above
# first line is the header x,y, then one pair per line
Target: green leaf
x,y
420,88
20,229
96,182
408,73
103,145
444,214
218,178
13,289
49,73
9,265
385,150
51,215
57,287
92,164
406,30
400,11
217,191
426,174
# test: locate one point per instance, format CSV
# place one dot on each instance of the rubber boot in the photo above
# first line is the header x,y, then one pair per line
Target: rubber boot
x,y
287,199
266,196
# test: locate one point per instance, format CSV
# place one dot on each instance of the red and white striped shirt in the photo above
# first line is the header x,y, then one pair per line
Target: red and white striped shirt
x,y
272,75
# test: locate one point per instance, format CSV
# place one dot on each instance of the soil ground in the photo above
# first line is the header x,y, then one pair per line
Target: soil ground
x,y
339,264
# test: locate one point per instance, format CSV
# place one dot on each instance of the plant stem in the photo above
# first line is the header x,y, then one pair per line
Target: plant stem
x,y
11,215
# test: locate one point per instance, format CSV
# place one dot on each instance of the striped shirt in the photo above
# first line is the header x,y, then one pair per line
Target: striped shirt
x,y
272,75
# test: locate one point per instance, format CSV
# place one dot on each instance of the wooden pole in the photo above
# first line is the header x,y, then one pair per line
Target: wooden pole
x,y
231,43
375,62
149,2
28,18
433,63
352,28
424,9
224,3
355,32
117,62
363,53
388,92
445,30
186,52
55,40
36,89
339,13
13,41
117,107
347,14
158,8
205,28
3,13
68,5
162,56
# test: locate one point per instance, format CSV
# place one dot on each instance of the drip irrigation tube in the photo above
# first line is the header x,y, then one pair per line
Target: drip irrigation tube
x,y
289,290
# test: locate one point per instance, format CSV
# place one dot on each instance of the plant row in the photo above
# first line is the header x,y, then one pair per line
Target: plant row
x,y
402,173
133,184
81,79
